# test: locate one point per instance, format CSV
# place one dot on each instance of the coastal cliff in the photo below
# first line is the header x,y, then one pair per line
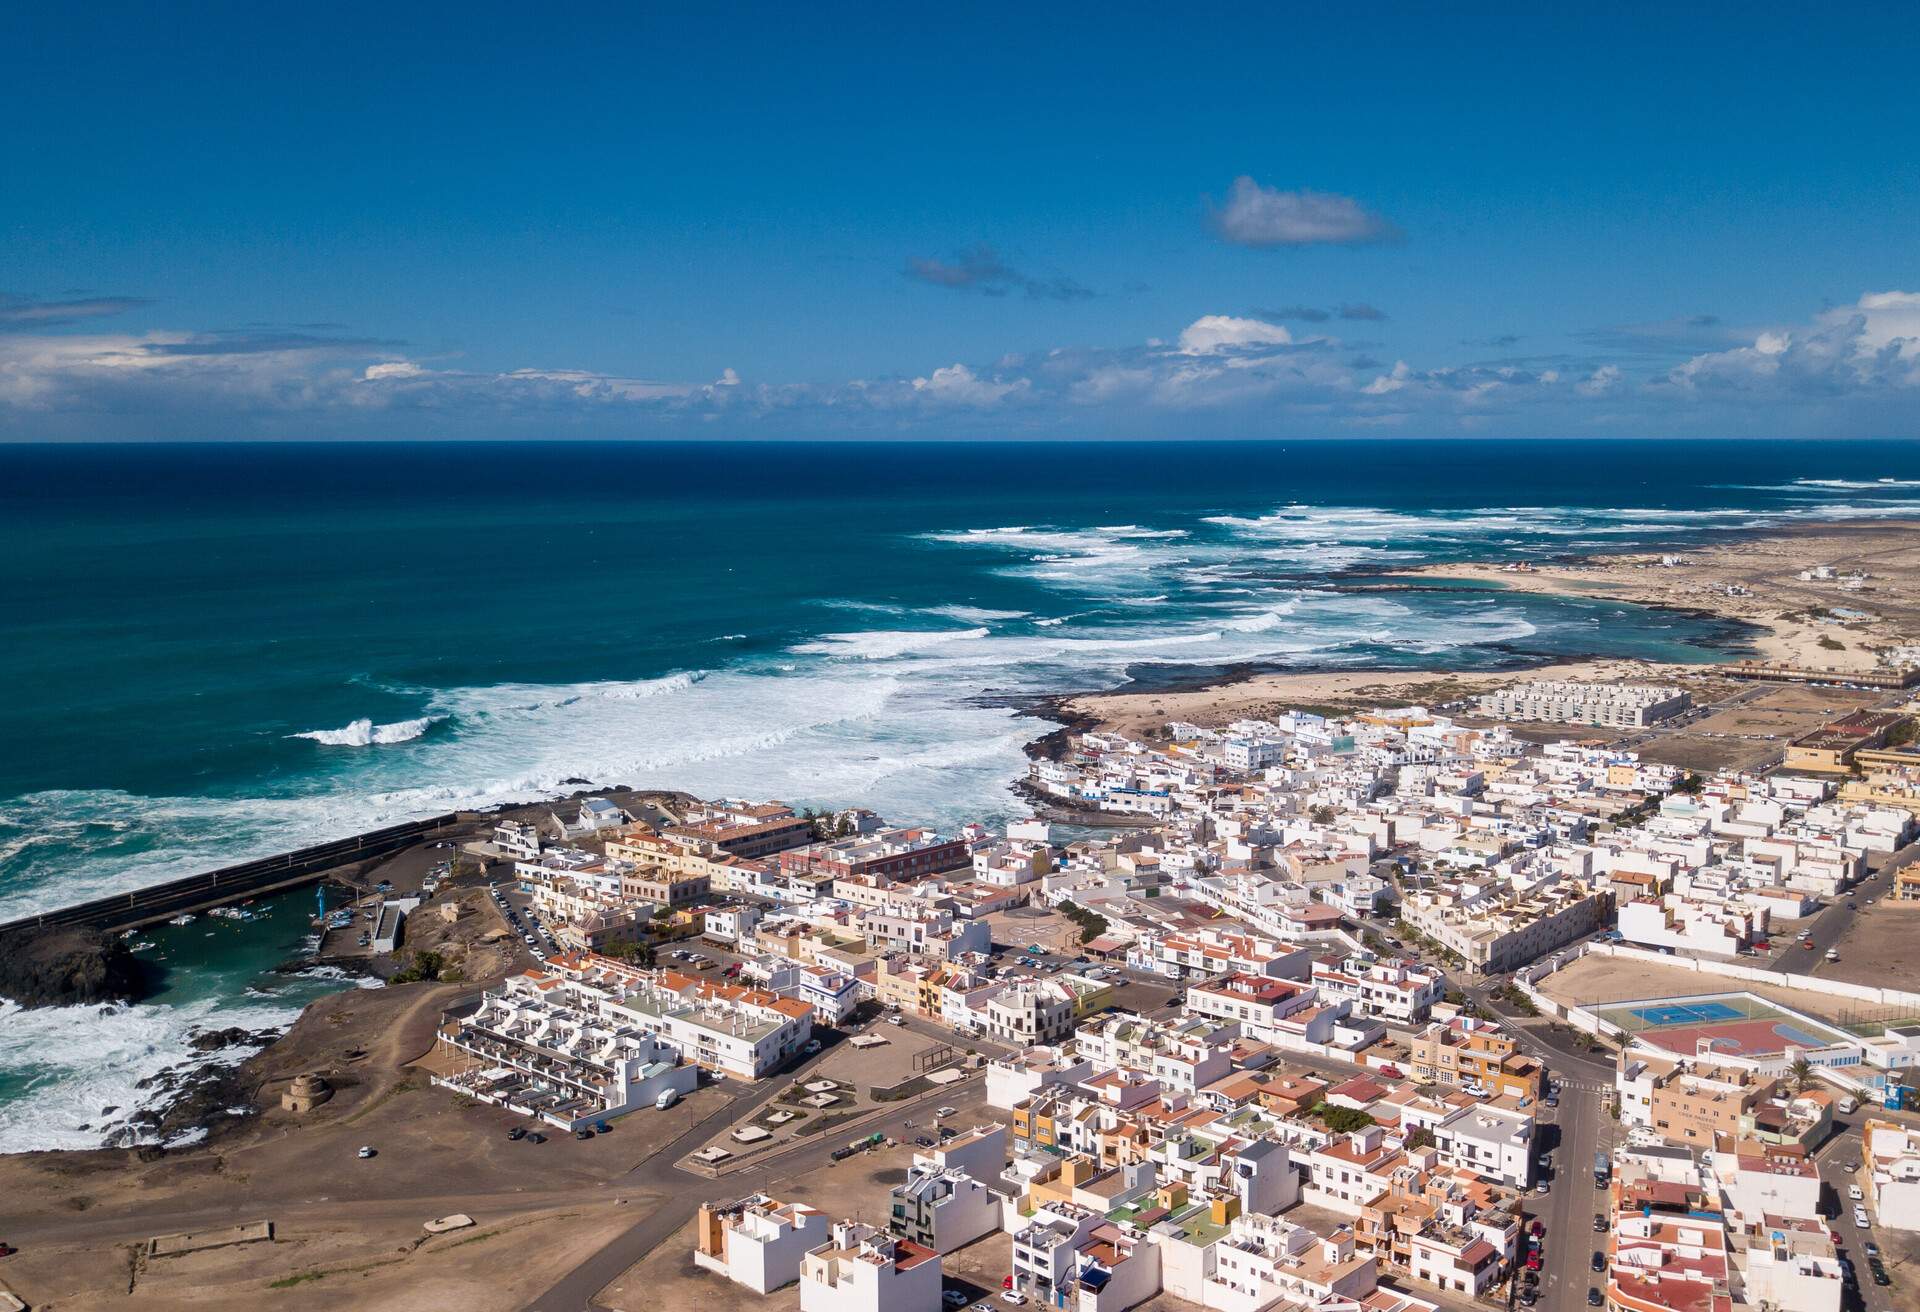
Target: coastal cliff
x,y
68,967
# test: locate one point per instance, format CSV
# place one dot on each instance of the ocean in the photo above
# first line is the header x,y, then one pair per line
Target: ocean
x,y
217,651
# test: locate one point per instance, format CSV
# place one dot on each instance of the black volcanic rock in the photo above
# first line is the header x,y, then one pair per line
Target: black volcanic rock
x,y
69,967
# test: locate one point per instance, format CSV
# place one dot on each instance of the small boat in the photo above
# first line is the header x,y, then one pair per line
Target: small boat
x,y
184,918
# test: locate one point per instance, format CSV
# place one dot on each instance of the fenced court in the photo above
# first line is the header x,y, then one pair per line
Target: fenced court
x,y
1736,1025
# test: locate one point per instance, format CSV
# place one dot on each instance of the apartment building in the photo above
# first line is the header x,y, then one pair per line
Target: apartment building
x,y
1890,1172
1475,1054
540,1049
1560,701
942,1208
924,932
1399,992
663,887
1264,1260
893,855
1683,1101
1493,1143
1504,929
1217,952
757,1241
1444,1229
1256,1003
1030,1012
747,1033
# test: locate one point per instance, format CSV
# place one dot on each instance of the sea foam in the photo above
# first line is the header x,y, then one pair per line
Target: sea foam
x,y
365,733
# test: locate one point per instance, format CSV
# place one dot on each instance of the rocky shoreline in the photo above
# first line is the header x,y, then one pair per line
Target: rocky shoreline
x,y
70,967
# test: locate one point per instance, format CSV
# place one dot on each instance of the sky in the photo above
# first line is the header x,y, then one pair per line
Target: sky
x,y
235,222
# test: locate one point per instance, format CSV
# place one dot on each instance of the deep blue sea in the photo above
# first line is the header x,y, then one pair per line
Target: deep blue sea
x,y
211,651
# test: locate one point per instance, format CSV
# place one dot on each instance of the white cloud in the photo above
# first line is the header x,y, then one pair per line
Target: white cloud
x,y
1253,215
1599,382
392,369
1389,382
1213,333
1851,369
1870,346
958,385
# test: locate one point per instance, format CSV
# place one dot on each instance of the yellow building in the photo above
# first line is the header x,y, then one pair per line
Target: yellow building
x,y
1831,750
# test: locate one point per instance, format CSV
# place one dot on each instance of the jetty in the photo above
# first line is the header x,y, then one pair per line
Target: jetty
x,y
201,892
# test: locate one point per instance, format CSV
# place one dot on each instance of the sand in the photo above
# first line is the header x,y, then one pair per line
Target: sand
x,y
1748,578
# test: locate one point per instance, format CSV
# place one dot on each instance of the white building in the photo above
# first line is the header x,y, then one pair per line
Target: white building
x,y
758,1241
1614,705
1491,1142
942,1209
867,1270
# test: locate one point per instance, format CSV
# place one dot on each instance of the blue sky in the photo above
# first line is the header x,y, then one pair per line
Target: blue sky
x,y
1271,221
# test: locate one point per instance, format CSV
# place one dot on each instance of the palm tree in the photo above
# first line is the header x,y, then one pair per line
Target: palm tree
x,y
1802,1072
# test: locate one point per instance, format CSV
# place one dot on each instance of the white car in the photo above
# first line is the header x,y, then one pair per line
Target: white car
x,y
954,1298
943,1111
365,1152
1860,1221
1853,1192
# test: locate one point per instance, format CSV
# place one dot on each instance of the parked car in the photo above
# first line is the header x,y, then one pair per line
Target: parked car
x,y
534,1136
1854,1192
1012,1296
813,1046
1598,1261
1599,1223
583,1133
601,1127
365,1152
517,1132
943,1111
1870,1248
954,1298
1594,1299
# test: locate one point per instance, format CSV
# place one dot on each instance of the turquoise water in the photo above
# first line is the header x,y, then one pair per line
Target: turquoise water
x,y
213,652
61,1068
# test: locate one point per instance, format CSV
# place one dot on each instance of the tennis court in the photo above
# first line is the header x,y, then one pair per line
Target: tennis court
x,y
1730,1024
1682,1013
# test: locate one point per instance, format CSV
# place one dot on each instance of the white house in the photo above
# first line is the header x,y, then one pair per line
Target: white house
x,y
758,1241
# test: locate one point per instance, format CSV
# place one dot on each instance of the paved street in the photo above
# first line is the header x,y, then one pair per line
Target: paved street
x,y
1830,925
577,1291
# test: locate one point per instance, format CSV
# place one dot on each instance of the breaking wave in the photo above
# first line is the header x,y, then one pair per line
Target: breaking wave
x,y
365,733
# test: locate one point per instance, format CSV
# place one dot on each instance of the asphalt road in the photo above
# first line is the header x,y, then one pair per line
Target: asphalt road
x,y
684,1192
1828,926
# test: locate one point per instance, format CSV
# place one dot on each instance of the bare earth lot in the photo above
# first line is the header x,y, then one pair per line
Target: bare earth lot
x,y
347,1231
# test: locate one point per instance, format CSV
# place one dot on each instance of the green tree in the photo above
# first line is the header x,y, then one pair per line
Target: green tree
x,y
1341,1120
1802,1073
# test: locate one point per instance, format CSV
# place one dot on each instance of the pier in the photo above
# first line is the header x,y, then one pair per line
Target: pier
x,y
268,874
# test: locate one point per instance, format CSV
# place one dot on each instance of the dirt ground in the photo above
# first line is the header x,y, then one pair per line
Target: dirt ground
x,y
348,1230
1877,948
1754,728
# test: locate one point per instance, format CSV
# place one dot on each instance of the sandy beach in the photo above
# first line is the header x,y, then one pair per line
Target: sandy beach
x,y
1833,623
